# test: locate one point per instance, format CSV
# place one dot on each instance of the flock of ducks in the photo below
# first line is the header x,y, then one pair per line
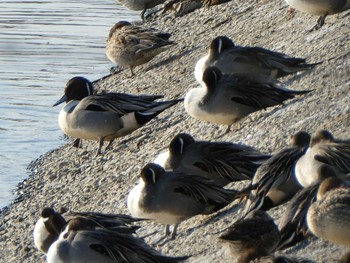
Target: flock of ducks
x,y
189,179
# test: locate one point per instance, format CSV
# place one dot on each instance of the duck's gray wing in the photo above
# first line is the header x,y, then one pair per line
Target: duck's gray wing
x,y
119,103
274,172
260,95
127,248
233,162
201,189
283,63
293,226
115,222
145,40
335,154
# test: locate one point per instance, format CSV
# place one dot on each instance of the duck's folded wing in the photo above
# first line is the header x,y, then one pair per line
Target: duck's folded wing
x,y
256,56
119,222
259,95
279,168
145,41
136,40
274,172
151,42
115,246
118,102
293,226
283,63
128,249
231,162
270,57
335,154
201,189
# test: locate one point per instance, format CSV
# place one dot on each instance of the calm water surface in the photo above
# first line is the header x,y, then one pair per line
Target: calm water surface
x,y
42,45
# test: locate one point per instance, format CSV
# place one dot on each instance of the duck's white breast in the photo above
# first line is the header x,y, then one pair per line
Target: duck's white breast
x,y
133,201
63,116
214,110
306,169
162,159
40,233
199,68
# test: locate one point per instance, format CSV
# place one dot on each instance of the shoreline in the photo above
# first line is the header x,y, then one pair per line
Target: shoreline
x,y
76,179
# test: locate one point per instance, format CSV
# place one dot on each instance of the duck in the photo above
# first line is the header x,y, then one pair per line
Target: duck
x,y
106,116
257,61
293,226
82,242
321,8
274,181
225,99
170,197
253,237
324,148
328,217
51,223
137,5
223,162
131,45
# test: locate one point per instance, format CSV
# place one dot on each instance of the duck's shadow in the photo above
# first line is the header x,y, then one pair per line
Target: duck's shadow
x,y
212,218
298,76
170,59
139,139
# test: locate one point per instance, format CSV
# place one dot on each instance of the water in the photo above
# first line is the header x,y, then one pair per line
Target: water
x,y
42,45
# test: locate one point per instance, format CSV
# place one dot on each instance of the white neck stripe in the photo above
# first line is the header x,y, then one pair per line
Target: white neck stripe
x,y
88,89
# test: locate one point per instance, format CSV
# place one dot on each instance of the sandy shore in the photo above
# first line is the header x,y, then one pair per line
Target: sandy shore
x,y
76,179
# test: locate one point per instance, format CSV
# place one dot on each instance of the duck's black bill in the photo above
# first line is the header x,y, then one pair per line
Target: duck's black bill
x,y
63,99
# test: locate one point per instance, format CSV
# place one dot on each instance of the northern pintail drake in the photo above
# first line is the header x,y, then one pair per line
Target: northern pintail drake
x,y
293,226
223,162
225,99
170,197
137,5
51,223
274,180
105,117
130,45
329,217
253,237
324,148
321,8
230,58
81,242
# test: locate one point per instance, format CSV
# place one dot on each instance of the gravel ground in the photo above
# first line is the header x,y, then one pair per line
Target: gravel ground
x,y
76,179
